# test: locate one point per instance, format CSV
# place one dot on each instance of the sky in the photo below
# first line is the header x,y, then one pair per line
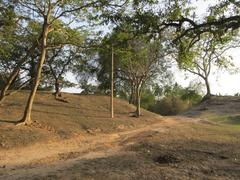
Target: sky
x,y
221,82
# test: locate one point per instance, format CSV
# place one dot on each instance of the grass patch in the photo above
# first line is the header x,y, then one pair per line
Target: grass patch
x,y
231,120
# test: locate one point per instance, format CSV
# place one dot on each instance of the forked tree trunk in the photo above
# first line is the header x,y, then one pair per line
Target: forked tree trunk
x,y
28,109
16,70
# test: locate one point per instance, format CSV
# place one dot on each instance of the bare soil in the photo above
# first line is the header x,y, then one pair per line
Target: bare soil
x,y
152,147
170,149
57,120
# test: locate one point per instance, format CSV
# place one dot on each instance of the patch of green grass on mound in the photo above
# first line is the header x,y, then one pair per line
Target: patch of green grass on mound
x,y
231,120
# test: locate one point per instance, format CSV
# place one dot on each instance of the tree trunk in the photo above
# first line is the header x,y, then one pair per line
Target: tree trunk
x,y
16,70
8,83
28,109
32,72
134,95
131,97
57,89
138,103
207,87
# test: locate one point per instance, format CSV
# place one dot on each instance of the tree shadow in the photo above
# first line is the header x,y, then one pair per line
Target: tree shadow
x,y
9,121
71,114
179,157
62,100
234,120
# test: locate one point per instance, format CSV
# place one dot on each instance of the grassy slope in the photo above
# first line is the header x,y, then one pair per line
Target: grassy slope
x,y
223,109
180,148
55,119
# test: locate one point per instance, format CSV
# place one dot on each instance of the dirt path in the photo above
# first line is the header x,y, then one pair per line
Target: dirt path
x,y
41,159
172,148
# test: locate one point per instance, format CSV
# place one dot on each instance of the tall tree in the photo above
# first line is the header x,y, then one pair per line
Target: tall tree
x,y
138,60
24,39
48,13
206,53
11,36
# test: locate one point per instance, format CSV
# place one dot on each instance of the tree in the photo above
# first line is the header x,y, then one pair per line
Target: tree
x,y
138,60
182,19
11,42
223,18
60,61
19,42
187,28
203,55
47,13
176,99
139,63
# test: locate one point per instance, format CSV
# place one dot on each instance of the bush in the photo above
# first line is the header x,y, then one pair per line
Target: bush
x,y
170,105
176,100
147,99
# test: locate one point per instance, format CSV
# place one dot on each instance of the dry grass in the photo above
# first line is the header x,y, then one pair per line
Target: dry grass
x,y
57,119
220,109
172,148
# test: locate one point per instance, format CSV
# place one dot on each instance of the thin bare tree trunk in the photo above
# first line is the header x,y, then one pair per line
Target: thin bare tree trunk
x,y
207,87
20,88
132,98
28,109
112,85
138,103
16,70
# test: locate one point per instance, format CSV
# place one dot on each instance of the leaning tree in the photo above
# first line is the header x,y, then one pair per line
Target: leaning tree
x,y
47,13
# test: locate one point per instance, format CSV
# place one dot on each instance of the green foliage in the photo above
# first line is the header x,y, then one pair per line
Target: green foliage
x,y
191,96
10,33
171,105
133,54
147,99
204,54
88,89
176,100
65,35
185,54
